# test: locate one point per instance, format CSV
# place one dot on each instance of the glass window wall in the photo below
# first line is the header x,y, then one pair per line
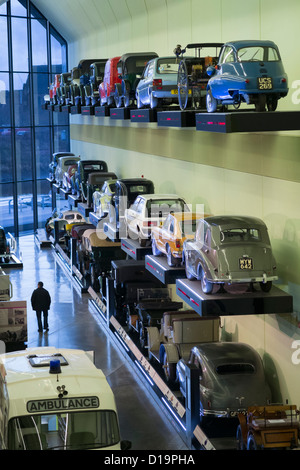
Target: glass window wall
x,y
29,134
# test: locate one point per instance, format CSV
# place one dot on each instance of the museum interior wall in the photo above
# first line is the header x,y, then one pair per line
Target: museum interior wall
x,y
246,174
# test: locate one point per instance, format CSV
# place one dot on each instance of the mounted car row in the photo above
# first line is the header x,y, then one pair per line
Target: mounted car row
x,y
217,76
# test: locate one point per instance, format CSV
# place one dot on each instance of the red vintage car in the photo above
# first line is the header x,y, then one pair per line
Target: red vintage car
x,y
111,77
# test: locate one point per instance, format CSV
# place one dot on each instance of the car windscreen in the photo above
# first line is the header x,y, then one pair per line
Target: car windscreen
x,y
257,53
64,431
163,207
240,235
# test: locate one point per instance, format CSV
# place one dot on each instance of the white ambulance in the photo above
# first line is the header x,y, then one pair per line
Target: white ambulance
x,y
56,399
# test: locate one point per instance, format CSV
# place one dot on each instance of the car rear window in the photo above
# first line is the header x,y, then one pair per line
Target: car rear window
x,y
240,235
138,188
238,368
163,207
254,53
167,66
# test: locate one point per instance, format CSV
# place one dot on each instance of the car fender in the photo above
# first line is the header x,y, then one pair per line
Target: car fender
x,y
171,351
153,338
206,266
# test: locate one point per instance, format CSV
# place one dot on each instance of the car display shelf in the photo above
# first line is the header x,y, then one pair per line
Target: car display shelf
x,y
76,109
158,266
88,110
101,111
119,113
66,108
84,209
133,249
248,121
74,200
237,300
143,115
176,118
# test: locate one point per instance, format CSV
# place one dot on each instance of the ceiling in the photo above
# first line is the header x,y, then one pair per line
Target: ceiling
x,y
74,19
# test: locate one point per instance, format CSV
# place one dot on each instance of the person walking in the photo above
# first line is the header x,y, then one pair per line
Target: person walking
x,y
40,301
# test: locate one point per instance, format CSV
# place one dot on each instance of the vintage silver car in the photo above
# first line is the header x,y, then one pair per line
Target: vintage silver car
x,y
232,377
230,250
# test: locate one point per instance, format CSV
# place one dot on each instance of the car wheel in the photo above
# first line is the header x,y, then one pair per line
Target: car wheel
x,y
183,85
169,370
153,101
211,102
139,103
170,258
206,285
266,286
155,250
188,274
260,103
252,444
240,445
272,103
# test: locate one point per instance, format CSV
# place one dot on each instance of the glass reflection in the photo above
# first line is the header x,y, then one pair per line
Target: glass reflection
x,y
5,118
3,9
25,206
6,164
22,99
3,44
19,44
44,202
39,46
40,89
58,53
7,207
18,7
61,139
42,152
23,154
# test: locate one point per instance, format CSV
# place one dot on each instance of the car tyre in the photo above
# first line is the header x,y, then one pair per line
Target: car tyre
x,y
153,101
139,103
169,371
211,102
155,250
188,274
266,286
206,285
252,444
170,258
240,445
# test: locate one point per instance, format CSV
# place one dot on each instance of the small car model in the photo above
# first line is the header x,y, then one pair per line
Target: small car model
x,y
55,158
167,239
230,250
95,182
62,165
85,167
4,246
67,178
158,83
111,77
232,378
66,220
62,91
248,72
148,211
192,76
126,191
73,95
269,427
91,89
130,68
102,198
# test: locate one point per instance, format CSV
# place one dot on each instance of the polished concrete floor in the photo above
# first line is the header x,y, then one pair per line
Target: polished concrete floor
x,y
73,325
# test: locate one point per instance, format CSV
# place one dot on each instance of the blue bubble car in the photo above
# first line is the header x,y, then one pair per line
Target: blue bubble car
x,y
248,72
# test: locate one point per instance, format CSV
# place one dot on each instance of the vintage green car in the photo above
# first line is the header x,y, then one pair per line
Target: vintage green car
x,y
230,250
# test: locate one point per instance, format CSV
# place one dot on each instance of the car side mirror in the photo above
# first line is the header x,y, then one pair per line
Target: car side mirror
x,y
210,70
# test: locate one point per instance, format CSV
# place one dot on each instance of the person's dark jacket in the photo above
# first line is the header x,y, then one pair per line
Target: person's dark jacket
x,y
40,299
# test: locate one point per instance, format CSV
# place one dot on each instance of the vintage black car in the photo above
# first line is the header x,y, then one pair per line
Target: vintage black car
x,y
80,178
94,183
232,377
126,190
91,89
230,250
130,68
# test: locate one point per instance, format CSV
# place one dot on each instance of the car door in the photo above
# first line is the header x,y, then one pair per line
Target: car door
x,y
164,235
224,78
147,83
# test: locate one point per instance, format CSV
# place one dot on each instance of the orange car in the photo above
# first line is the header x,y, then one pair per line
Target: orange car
x,y
168,239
